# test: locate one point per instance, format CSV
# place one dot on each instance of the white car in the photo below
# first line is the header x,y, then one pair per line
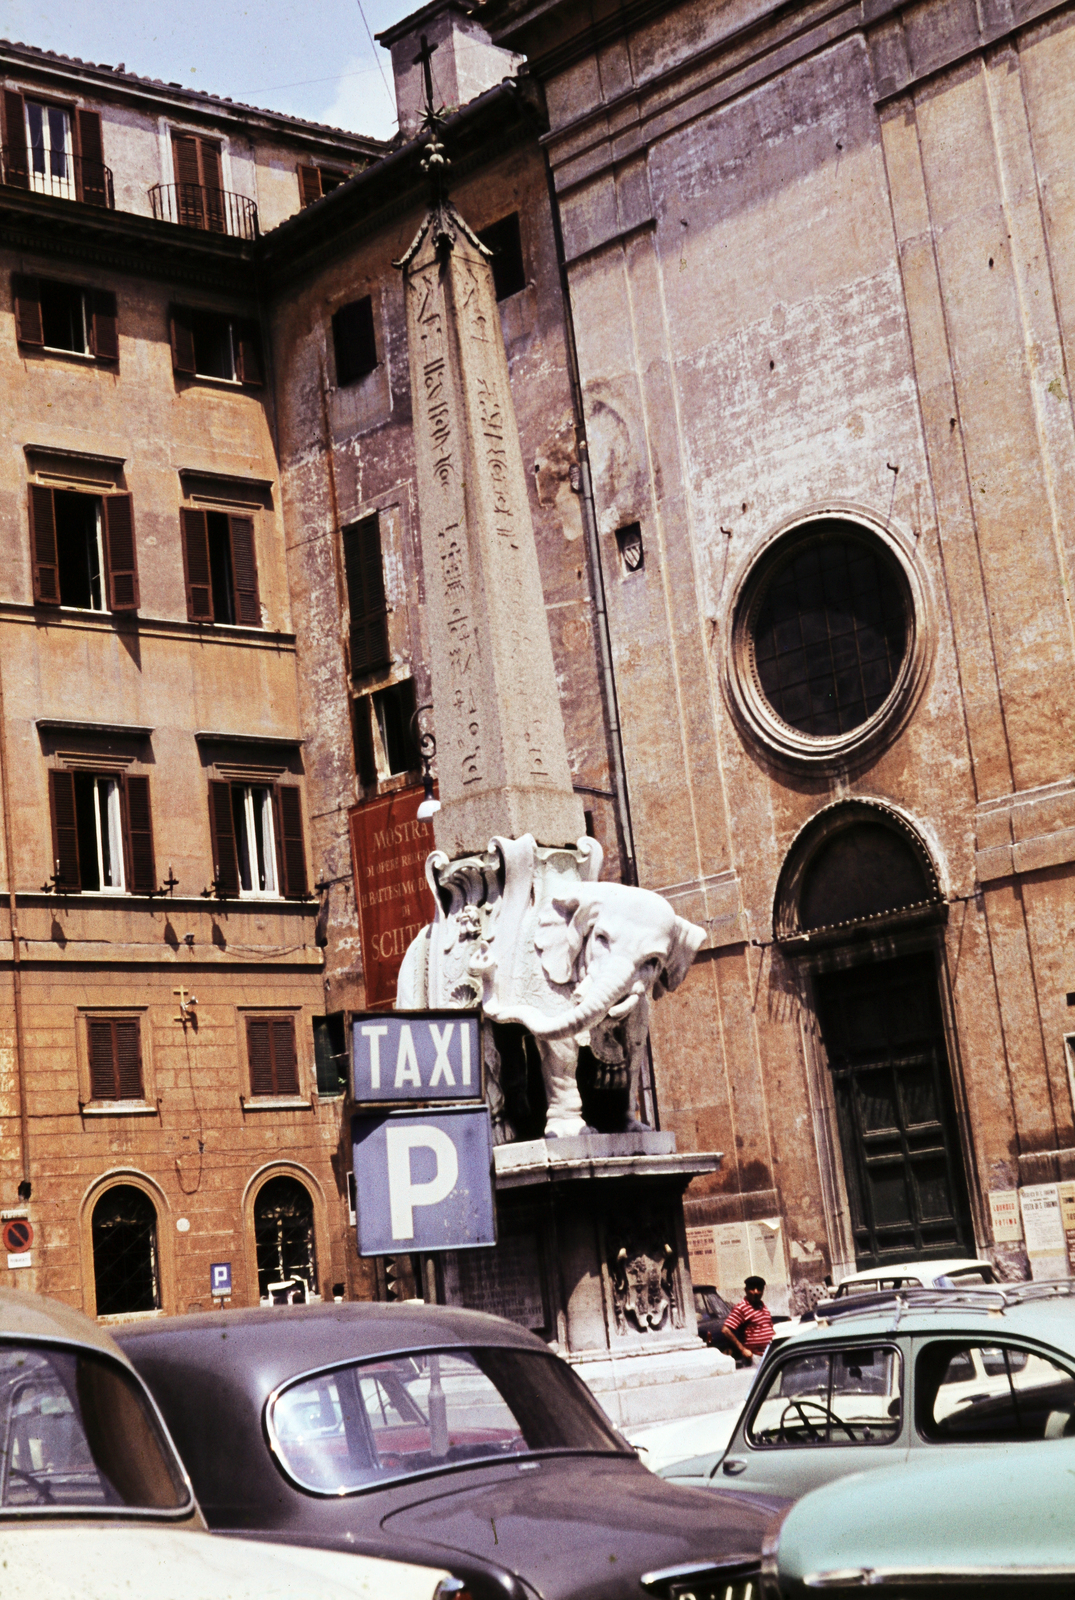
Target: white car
x,y
957,1273
95,1502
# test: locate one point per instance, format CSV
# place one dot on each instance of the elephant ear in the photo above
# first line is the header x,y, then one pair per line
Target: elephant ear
x,y
687,939
562,927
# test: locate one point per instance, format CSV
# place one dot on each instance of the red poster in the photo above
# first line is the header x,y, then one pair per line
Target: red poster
x,y
389,848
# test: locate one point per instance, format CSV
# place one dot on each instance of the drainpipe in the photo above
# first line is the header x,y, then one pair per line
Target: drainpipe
x,y
16,957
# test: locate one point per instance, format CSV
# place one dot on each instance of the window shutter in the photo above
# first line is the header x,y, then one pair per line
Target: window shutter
x,y
26,293
182,331
292,851
16,163
104,330
120,557
248,351
142,875
128,1057
259,1055
364,569
64,830
244,572
90,158
103,1084
365,758
225,855
43,553
195,527
212,180
309,185
285,1056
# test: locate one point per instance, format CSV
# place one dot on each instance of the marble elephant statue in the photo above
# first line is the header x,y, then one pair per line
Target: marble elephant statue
x,y
599,951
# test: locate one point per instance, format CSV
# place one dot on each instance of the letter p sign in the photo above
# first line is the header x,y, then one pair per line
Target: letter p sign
x,y
423,1180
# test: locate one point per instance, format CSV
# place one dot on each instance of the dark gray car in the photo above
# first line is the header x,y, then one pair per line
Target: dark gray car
x,y
430,1433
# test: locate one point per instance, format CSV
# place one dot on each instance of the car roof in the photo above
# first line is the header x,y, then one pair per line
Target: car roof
x,y
927,1271
33,1316
270,1344
1044,1311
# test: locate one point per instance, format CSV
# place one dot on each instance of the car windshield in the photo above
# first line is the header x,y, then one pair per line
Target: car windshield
x,y
77,1433
359,1425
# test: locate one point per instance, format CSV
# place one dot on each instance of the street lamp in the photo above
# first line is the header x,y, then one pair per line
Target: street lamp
x,y
427,749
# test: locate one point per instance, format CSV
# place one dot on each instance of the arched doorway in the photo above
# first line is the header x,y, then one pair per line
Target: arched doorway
x,y
284,1238
126,1268
860,907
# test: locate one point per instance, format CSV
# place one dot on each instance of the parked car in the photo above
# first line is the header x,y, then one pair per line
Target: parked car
x,y
712,1310
883,1376
963,1273
994,1524
435,1433
94,1500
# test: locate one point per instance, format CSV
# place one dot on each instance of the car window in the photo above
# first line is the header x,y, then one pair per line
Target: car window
x,y
850,1396
358,1425
991,1393
76,1431
966,1276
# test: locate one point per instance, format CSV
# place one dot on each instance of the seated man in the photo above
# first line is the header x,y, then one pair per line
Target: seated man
x,y
748,1327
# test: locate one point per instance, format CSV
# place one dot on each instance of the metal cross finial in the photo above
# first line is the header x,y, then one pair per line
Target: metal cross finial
x,y
425,56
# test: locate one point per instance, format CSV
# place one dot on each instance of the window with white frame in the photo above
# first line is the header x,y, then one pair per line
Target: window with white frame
x,y
255,838
50,149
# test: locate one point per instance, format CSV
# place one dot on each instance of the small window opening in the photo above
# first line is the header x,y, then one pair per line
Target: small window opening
x,y
220,566
504,240
355,341
589,824
332,178
632,553
330,1054
255,840
79,551
393,709
63,317
100,832
214,346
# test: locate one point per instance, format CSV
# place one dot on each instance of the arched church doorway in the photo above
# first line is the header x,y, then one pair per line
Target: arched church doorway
x,y
860,907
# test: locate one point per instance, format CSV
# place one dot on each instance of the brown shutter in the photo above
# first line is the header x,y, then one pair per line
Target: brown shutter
x,y
103,1084
292,851
285,1056
248,352
43,553
365,759
185,158
120,557
142,875
64,831
309,185
90,185
182,332
244,571
16,162
26,293
364,569
213,183
104,330
259,1055
195,527
225,855
128,1053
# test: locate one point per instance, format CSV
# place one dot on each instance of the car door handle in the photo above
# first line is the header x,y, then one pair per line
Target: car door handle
x,y
733,1466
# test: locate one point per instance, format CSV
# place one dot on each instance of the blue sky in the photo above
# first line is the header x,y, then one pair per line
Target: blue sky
x,y
312,59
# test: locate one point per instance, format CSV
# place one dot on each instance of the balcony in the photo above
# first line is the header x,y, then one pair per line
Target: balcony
x,y
58,173
192,205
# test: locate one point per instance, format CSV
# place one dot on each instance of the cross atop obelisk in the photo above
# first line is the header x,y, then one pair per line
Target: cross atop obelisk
x,y
501,751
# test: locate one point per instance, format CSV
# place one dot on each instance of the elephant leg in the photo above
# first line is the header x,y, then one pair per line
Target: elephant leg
x,y
563,1115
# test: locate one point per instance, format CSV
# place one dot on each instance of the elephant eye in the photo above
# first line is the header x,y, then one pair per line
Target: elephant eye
x,y
601,937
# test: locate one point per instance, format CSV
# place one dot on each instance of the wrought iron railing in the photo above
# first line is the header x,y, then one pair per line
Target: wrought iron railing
x,y
55,172
193,205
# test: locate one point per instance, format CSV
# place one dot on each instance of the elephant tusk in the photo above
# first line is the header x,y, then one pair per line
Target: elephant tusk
x,y
624,1007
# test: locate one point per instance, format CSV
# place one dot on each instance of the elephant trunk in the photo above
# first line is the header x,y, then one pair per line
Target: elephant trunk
x,y
594,1005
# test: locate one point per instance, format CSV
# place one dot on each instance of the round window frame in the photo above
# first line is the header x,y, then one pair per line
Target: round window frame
x,y
746,699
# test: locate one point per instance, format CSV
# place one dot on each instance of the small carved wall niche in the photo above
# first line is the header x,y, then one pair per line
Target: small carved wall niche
x,y
642,1264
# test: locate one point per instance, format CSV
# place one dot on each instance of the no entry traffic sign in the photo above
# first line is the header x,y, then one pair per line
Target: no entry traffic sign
x,y
424,1180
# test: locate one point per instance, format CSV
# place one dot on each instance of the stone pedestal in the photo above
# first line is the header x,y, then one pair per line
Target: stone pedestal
x,y
592,1256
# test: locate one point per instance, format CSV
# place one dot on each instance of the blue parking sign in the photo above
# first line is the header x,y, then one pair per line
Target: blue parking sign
x,y
220,1279
424,1180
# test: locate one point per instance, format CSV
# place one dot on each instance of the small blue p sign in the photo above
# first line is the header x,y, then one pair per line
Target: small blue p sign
x,y
220,1279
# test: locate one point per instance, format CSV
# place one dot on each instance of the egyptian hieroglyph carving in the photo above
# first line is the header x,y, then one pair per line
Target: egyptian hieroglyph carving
x,y
533,935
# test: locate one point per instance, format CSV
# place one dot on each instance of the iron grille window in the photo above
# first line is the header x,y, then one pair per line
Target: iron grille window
x,y
284,1239
125,1263
830,632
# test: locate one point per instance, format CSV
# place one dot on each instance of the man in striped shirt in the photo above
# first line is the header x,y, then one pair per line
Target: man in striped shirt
x,y
752,1318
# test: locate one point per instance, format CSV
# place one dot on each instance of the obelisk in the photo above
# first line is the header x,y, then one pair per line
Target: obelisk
x,y
501,752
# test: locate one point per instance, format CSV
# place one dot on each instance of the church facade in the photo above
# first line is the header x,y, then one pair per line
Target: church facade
x,y
786,295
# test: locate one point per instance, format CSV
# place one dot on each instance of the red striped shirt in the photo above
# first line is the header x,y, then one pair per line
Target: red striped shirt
x,y
756,1323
